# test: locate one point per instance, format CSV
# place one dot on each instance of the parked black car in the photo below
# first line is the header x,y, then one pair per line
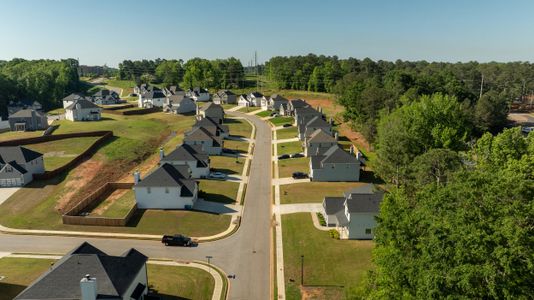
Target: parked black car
x,y
283,156
177,240
274,114
300,175
287,125
296,155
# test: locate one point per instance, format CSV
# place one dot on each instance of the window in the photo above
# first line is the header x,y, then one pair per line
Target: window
x,y
368,230
148,190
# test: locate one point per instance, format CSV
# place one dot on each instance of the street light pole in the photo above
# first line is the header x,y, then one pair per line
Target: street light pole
x,y
302,270
209,257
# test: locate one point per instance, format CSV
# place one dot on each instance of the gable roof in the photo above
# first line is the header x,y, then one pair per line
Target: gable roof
x,y
84,104
314,122
225,92
307,110
208,122
320,136
27,113
175,99
166,175
202,134
152,94
21,155
364,203
278,98
256,94
298,103
74,97
334,155
114,274
333,204
186,152
212,107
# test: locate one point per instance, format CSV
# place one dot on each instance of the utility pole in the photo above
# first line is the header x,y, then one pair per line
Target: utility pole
x,y
481,86
256,67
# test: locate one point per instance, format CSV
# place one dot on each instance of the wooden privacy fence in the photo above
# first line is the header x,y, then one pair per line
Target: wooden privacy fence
x,y
118,107
142,111
73,217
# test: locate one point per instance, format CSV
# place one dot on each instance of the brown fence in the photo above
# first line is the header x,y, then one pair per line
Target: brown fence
x,y
142,111
55,137
72,216
118,107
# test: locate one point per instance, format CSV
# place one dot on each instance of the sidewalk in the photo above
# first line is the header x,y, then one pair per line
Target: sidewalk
x,y
289,180
296,139
298,208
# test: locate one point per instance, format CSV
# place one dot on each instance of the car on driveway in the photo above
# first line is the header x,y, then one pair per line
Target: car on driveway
x,y
283,156
218,175
274,114
296,155
299,175
287,125
177,240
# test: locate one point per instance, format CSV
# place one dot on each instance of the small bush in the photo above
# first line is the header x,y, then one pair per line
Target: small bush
x,y
321,219
334,234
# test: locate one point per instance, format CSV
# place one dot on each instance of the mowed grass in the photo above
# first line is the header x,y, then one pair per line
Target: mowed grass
x,y
286,167
265,113
227,164
60,152
19,273
117,208
15,135
126,85
249,109
308,192
289,148
239,127
218,190
279,121
287,133
330,266
171,282
239,146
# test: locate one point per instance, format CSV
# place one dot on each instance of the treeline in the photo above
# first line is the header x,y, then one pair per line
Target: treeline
x,y
218,73
46,81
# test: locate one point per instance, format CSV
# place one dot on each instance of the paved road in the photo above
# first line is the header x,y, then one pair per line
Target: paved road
x,y
246,253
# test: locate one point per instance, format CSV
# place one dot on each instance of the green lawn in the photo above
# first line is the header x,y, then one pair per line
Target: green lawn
x,y
286,167
117,205
180,282
15,135
228,106
60,152
218,190
227,164
249,109
239,127
278,121
265,113
241,147
126,85
19,273
288,148
330,266
287,133
313,191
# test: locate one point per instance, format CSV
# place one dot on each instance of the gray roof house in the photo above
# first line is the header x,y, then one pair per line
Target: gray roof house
x,y
167,187
304,114
18,164
105,97
192,156
243,100
89,273
210,143
198,94
152,98
254,98
354,213
213,126
83,110
70,99
294,104
212,110
318,142
174,90
335,164
225,97
306,128
274,102
15,106
180,104
28,120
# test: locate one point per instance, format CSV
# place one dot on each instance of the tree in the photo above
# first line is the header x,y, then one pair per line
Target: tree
x,y
491,112
170,72
434,166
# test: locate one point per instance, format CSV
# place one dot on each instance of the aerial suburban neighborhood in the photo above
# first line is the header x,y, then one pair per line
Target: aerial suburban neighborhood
x,y
169,163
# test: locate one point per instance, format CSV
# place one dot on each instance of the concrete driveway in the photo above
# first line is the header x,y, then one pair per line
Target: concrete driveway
x,y
5,193
289,180
299,208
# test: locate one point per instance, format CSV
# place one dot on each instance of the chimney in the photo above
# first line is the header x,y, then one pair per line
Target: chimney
x,y
198,110
88,288
161,153
336,135
351,149
358,155
137,177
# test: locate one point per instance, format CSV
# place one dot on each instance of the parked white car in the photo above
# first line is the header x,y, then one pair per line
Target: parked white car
x,y
218,175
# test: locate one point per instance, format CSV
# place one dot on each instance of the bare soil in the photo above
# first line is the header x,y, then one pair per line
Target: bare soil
x,y
83,174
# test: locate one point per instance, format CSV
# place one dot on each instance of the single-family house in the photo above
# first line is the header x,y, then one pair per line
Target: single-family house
x,y
153,98
243,100
213,126
15,106
167,187
180,104
335,164
355,213
212,110
210,143
318,142
192,156
28,120
105,97
18,164
306,128
140,89
254,98
294,104
174,90
274,103
305,114
70,99
83,110
87,273
198,94
224,97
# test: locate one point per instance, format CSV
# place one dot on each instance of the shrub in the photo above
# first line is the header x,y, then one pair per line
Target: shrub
x,y
334,234
321,219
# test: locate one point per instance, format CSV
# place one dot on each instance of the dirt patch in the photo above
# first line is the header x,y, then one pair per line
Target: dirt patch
x,y
316,293
144,168
355,137
58,154
82,174
109,201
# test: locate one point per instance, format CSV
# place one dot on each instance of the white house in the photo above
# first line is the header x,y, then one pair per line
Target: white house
x,y
243,100
210,143
225,97
83,110
70,99
198,94
18,164
192,156
354,215
212,110
179,104
318,142
274,102
335,164
167,187
255,98
153,98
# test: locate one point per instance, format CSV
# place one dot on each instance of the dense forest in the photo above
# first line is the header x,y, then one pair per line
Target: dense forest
x,y
218,73
46,81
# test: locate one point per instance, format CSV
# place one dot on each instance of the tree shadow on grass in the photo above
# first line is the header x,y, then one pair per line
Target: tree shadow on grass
x,y
370,177
216,197
9,290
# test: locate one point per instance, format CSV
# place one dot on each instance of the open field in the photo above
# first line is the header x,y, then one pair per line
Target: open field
x,y
238,127
126,85
227,164
15,135
286,167
218,190
19,273
116,205
289,148
279,121
249,109
313,191
330,266
60,152
287,133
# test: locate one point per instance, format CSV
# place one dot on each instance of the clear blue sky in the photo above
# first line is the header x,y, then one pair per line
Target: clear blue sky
x,y
109,31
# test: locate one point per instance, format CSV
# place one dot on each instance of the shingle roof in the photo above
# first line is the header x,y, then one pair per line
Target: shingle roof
x,y
19,154
84,104
307,110
320,136
166,175
74,97
209,123
178,98
27,113
186,152
114,275
333,204
256,94
278,98
334,155
315,122
297,103
212,107
153,94
364,203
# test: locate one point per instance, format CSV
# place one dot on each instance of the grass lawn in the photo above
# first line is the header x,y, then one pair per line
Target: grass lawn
x,y
15,135
218,190
60,152
19,273
313,191
288,148
227,164
241,147
228,106
279,121
249,109
57,111
180,282
286,167
116,205
287,133
330,266
126,85
239,127
265,113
